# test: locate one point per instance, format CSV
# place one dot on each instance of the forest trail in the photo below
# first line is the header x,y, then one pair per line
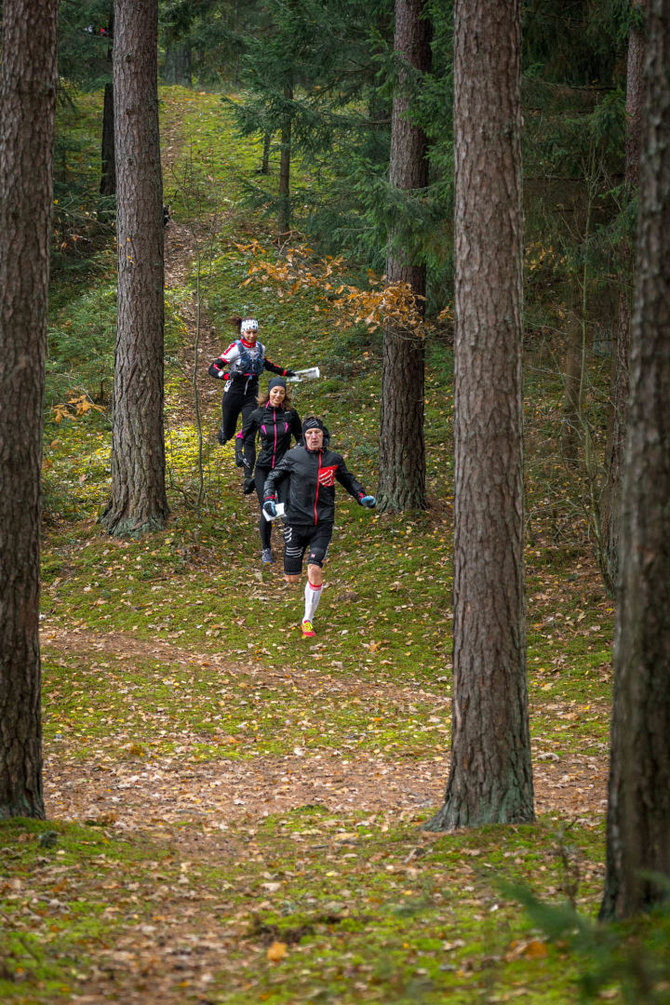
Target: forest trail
x,y
162,794
178,790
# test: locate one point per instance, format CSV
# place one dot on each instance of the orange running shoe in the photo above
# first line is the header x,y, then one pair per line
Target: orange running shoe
x,y
307,629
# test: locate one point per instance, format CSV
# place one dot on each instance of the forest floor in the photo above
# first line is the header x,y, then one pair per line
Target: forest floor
x,y
572,785
201,815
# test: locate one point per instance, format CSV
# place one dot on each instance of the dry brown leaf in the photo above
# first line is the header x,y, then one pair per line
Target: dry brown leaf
x,y
277,951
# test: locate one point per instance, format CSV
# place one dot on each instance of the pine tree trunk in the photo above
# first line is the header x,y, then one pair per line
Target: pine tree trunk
x,y
177,67
27,111
402,458
108,173
638,817
138,501
490,778
572,395
611,501
284,217
265,162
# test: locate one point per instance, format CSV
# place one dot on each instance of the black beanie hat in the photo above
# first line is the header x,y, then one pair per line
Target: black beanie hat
x,y
314,422
276,382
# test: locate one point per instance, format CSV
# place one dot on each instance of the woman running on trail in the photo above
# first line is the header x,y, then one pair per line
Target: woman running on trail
x,y
274,422
240,366
311,471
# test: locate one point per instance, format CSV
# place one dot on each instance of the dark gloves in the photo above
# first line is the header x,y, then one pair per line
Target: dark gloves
x,y
215,370
269,507
290,373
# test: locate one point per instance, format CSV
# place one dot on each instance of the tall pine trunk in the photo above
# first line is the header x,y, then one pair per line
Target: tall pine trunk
x,y
611,501
108,170
490,778
284,216
402,459
27,112
638,813
138,502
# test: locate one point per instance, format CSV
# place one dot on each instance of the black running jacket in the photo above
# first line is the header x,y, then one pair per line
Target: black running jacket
x,y
312,475
274,427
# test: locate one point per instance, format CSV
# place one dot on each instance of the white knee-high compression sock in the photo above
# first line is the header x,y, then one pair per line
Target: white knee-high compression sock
x,y
312,598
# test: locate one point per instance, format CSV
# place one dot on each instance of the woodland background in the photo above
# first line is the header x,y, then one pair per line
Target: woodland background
x,y
232,814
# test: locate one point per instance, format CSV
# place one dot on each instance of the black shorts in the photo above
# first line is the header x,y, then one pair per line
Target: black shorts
x,y
298,538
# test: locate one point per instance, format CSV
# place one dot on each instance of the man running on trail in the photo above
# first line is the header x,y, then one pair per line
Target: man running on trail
x,y
311,470
240,366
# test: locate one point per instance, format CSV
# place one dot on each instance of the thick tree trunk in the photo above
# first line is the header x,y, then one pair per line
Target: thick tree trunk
x,y
27,111
611,501
138,501
638,817
402,459
490,778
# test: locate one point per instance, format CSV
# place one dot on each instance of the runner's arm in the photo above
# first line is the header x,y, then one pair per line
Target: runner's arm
x,y
250,427
296,427
275,476
347,480
269,365
218,368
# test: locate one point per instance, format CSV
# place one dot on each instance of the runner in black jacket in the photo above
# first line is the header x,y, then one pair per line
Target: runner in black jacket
x,y
240,366
274,422
312,471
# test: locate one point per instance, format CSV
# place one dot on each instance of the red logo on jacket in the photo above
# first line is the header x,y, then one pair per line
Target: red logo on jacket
x,y
327,475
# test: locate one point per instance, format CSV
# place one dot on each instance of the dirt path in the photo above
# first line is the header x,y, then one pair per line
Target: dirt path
x,y
164,793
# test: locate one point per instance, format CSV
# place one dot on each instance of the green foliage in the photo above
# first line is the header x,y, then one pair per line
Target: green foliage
x,y
82,220
81,347
85,43
629,960
214,33
575,42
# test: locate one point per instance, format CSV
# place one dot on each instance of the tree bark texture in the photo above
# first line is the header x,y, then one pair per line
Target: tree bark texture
x,y
490,778
138,502
402,456
611,501
571,425
108,172
638,818
177,68
27,112
284,216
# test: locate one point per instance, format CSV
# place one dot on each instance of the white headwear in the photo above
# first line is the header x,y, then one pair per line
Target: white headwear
x,y
249,325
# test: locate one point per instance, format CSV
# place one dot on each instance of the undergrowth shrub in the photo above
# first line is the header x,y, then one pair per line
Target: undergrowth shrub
x,y
627,960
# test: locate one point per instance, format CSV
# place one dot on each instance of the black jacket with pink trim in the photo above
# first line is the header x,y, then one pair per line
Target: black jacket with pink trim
x,y
312,475
274,427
